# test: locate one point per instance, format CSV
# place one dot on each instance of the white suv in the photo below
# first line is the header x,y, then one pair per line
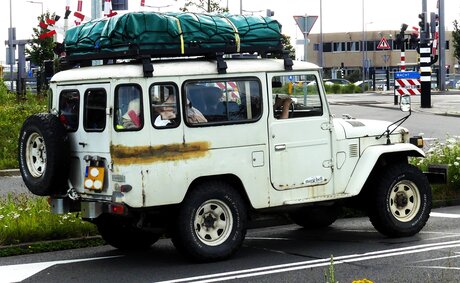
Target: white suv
x,y
140,154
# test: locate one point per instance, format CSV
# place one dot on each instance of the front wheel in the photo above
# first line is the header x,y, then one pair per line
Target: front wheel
x,y
211,222
401,203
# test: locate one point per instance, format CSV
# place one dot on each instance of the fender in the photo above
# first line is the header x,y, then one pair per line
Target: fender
x,y
369,158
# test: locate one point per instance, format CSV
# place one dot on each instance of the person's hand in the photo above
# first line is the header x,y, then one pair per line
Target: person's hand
x,y
285,102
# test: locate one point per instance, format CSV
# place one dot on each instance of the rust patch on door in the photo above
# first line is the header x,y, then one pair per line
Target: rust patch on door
x,y
125,155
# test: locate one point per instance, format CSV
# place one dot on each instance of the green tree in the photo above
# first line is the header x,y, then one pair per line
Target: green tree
x,y
204,6
456,40
286,42
41,49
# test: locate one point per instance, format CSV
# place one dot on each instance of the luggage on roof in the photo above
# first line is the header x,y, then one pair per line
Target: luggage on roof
x,y
172,34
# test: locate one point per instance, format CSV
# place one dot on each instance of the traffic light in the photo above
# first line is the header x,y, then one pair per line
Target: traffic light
x,y
400,36
422,22
270,13
49,69
434,20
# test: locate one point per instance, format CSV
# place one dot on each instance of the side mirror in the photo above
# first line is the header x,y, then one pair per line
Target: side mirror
x,y
405,105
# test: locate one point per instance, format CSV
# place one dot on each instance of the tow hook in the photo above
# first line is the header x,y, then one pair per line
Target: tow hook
x,y
73,194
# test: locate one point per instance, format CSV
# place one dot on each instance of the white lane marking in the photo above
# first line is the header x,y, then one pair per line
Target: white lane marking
x,y
20,272
438,258
438,267
266,270
444,215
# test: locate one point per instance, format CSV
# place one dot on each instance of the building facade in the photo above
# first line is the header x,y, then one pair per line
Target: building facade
x,y
344,53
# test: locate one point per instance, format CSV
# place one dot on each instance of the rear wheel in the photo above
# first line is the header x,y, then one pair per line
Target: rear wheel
x,y
121,233
211,222
401,202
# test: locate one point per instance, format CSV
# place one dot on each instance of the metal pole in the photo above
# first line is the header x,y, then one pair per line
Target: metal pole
x,y
364,38
305,38
321,55
442,47
241,7
10,43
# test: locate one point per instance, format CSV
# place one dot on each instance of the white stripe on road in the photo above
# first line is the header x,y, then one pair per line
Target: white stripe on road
x,y
444,215
20,272
266,270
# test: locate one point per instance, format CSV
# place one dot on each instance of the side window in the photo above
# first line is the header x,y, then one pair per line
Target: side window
x,y
94,114
296,96
128,108
164,105
223,101
69,106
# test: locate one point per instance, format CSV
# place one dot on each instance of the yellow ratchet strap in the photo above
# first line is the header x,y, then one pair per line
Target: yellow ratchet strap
x,y
181,37
237,35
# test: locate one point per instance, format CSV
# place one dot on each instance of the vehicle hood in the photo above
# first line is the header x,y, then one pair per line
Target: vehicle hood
x,y
357,128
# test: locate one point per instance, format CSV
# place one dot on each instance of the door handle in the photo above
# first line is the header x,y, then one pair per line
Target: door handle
x,y
280,147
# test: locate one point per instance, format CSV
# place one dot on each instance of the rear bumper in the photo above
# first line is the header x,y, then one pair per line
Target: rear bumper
x,y
88,209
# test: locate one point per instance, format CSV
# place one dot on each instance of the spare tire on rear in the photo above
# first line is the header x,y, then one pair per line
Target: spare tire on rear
x,y
44,154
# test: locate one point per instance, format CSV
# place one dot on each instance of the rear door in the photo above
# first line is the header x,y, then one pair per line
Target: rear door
x,y
85,112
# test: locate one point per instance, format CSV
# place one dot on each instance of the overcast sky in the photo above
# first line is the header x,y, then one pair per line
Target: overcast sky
x,y
338,15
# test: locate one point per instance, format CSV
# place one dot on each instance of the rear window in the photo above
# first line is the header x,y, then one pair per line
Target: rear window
x,y
95,106
69,106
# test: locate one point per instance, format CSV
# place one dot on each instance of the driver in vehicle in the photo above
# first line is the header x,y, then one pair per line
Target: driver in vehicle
x,y
283,104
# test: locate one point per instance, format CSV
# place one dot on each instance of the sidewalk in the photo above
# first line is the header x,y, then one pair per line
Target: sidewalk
x,y
445,103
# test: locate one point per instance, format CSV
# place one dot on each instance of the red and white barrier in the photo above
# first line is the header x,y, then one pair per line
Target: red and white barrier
x,y
408,86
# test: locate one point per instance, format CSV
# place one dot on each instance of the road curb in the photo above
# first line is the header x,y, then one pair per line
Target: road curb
x,y
9,172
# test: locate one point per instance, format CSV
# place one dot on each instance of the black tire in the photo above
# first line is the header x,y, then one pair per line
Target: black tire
x,y
401,202
122,234
315,217
44,155
219,207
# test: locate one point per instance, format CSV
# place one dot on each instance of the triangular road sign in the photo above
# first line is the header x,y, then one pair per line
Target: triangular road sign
x,y
383,44
305,23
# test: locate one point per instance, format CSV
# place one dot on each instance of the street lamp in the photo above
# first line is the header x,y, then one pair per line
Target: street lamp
x,y
37,2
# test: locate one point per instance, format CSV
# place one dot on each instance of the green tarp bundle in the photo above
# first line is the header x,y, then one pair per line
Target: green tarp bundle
x,y
174,34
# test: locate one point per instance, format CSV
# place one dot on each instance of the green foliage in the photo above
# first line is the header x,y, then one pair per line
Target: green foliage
x,y
456,40
329,275
12,116
444,153
204,6
336,88
24,218
354,76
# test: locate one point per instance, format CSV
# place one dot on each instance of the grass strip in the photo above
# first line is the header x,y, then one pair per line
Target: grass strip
x,y
49,246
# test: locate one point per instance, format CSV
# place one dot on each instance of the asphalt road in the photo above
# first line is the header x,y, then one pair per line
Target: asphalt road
x,y
276,254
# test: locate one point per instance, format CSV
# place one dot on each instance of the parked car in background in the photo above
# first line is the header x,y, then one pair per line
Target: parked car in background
x,y
336,81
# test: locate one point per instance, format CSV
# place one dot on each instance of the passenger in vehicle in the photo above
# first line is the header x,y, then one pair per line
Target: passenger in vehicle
x,y
212,97
167,113
282,104
194,115
131,119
